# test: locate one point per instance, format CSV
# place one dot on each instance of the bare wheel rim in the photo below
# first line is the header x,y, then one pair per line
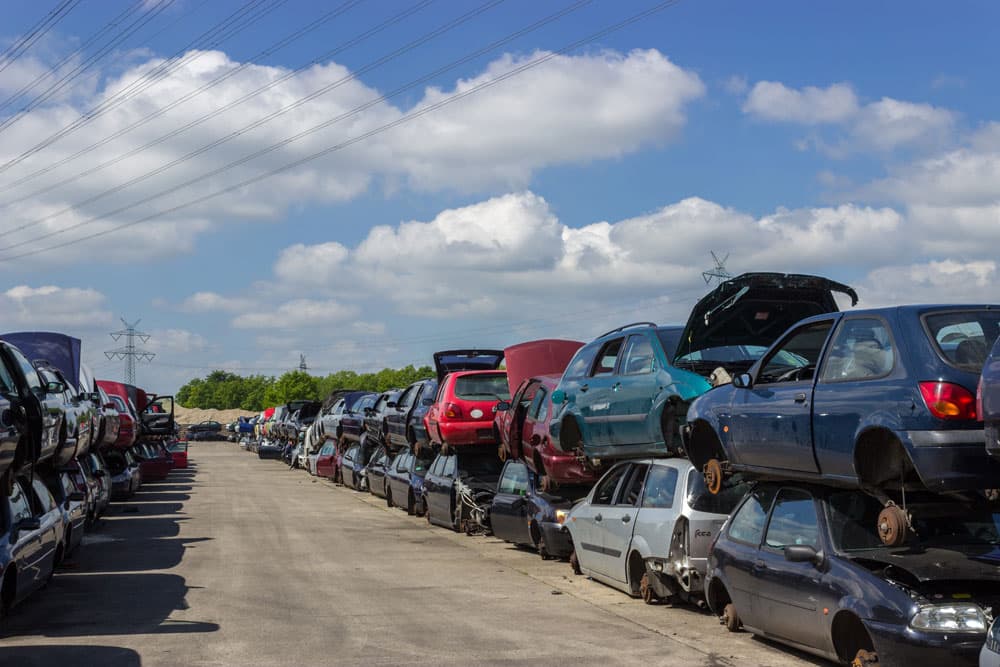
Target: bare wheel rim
x,y
713,476
892,525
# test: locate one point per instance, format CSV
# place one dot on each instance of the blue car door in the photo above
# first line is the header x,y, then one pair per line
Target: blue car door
x,y
744,534
597,394
772,419
633,391
790,593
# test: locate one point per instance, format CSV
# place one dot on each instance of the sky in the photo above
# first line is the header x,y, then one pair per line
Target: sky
x,y
365,182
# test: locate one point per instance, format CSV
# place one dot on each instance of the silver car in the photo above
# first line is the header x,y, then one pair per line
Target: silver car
x,y
646,528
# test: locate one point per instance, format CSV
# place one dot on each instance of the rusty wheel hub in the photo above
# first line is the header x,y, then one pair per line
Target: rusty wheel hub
x,y
713,476
646,591
892,525
864,658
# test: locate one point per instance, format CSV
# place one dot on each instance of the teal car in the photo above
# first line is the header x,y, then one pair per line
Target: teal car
x,y
626,394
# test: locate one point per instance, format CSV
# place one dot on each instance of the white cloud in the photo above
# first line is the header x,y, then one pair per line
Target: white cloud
x,y
50,306
179,341
314,264
939,281
571,109
297,313
774,101
889,123
203,302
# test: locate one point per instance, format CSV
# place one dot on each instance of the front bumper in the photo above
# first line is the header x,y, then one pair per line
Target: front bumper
x,y
902,645
557,539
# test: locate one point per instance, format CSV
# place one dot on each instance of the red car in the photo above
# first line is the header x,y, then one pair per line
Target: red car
x,y
463,411
326,462
155,462
128,420
179,452
522,424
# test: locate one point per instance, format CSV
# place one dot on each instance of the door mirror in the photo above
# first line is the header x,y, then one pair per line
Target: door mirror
x,y
390,404
803,553
502,406
54,387
558,397
743,381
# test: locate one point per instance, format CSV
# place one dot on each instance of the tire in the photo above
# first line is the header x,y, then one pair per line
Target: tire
x,y
543,550
731,619
388,496
427,513
411,508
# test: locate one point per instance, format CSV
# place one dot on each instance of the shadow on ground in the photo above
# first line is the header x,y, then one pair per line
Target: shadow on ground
x,y
62,656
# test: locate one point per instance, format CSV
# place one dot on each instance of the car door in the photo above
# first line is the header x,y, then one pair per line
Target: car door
x,y
534,431
586,517
396,417
617,523
744,534
633,391
432,482
788,592
661,505
158,417
445,486
27,548
509,514
9,433
772,419
596,394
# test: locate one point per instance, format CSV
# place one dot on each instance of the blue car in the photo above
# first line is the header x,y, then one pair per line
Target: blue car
x,y
989,400
804,565
882,400
625,394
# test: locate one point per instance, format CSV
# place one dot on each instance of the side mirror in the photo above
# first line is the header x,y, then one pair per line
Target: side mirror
x,y
803,553
743,381
558,397
54,387
502,406
390,404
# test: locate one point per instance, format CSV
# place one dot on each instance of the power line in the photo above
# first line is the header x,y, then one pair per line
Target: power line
x,y
464,18
273,147
36,32
327,151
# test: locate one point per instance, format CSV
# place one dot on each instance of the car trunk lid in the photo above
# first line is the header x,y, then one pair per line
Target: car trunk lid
x,y
449,361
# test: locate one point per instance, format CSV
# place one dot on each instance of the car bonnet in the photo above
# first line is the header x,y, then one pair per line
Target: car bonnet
x,y
756,308
930,564
538,357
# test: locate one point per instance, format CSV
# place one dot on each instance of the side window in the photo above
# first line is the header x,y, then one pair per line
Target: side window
x,y
20,508
6,379
632,490
437,466
793,520
451,466
44,497
796,358
661,485
30,374
537,402
639,357
581,362
515,479
607,358
528,396
543,406
406,400
604,493
861,350
747,525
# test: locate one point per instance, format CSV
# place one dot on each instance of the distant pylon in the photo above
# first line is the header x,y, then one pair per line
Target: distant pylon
x,y
718,272
130,353
302,363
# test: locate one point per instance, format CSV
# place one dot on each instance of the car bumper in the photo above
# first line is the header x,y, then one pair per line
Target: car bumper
x,y
557,539
564,468
467,433
899,645
269,453
952,460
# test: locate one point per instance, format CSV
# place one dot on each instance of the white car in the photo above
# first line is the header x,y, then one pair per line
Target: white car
x,y
646,528
989,656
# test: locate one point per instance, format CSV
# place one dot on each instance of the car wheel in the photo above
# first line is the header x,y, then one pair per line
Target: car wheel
x,y
574,563
731,619
410,504
865,658
543,549
427,513
388,496
893,522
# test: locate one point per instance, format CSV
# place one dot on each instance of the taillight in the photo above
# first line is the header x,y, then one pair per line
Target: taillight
x,y
979,399
948,401
452,411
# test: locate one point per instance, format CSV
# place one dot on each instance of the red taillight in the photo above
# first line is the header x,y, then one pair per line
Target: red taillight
x,y
979,399
948,401
452,411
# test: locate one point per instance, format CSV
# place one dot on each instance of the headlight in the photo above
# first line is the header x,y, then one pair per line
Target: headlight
x,y
561,516
950,618
993,638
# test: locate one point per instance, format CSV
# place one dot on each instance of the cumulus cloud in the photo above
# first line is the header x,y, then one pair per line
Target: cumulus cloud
x,y
50,306
938,281
774,101
180,341
204,302
571,109
297,313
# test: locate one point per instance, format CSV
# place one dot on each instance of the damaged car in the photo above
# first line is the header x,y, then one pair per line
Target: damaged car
x,y
470,385
804,565
459,487
626,394
882,400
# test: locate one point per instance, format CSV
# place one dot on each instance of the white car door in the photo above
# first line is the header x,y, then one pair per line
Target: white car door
x,y
586,518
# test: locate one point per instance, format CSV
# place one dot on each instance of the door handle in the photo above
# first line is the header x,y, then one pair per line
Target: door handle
x,y
598,517
584,387
626,518
800,398
616,386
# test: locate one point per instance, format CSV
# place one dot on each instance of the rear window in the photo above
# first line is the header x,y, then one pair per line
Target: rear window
x,y
482,387
964,338
701,500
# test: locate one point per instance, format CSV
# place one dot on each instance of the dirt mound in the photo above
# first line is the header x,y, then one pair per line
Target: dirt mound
x,y
188,416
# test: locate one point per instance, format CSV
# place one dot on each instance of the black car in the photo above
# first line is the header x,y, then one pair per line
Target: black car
x,y
460,484
405,421
207,426
804,565
375,418
406,472
352,468
376,470
522,514
270,449
352,421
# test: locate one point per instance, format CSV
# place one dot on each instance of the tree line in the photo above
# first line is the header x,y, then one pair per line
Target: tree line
x,y
222,390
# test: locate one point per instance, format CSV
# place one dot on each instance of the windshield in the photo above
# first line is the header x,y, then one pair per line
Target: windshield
x,y
483,387
700,500
854,519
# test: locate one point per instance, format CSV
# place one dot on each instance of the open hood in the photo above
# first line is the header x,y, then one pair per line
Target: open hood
x,y
979,563
756,308
450,361
536,358
58,350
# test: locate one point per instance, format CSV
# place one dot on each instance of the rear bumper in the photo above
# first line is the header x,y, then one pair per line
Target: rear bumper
x,y
467,433
948,460
564,468
900,645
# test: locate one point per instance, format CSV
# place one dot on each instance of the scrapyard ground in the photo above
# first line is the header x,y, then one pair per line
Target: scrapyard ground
x,y
239,561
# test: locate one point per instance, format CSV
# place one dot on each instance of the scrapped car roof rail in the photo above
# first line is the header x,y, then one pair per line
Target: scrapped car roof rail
x,y
629,326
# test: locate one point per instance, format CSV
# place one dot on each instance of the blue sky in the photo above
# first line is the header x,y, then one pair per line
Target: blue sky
x,y
855,140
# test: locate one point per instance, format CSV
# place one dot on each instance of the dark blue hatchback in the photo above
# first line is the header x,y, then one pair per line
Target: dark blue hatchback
x,y
882,400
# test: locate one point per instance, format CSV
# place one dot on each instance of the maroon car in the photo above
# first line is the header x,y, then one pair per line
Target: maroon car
x,y
522,424
155,462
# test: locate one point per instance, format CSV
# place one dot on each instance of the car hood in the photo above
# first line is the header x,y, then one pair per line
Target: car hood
x,y
536,358
449,361
59,350
980,563
756,308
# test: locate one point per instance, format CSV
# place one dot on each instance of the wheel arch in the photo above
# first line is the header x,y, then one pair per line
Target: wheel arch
x,y
848,635
879,456
717,595
572,432
703,443
635,567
